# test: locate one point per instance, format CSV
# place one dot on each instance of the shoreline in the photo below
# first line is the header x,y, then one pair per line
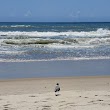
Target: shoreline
x,y
54,78
45,69
58,59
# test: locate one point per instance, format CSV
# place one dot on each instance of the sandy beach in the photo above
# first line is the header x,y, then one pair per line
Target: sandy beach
x,y
77,93
55,55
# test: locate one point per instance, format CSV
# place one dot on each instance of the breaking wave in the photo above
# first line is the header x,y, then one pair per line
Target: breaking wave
x,y
15,26
55,59
84,39
82,42
20,26
46,45
99,33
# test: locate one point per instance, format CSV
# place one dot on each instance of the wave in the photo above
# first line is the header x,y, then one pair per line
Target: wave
x,y
98,33
55,59
15,26
12,52
72,42
42,39
20,26
26,42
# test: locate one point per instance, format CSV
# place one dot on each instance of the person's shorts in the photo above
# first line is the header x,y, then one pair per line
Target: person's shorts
x,y
57,90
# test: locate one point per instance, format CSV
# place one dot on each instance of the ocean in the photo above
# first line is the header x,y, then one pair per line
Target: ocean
x,y
33,41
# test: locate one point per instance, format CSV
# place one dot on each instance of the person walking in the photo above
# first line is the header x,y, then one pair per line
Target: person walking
x,y
57,89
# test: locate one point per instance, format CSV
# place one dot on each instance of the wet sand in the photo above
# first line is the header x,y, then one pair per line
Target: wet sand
x,y
60,68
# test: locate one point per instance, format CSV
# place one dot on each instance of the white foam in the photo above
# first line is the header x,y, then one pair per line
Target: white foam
x,y
20,25
99,33
62,46
55,59
98,41
65,43
12,52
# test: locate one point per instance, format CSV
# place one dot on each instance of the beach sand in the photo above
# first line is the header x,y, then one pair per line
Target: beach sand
x,y
77,93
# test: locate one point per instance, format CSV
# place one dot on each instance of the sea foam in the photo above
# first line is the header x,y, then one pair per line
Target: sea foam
x,y
99,33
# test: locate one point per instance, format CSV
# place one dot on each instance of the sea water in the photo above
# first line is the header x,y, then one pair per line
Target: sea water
x,y
32,41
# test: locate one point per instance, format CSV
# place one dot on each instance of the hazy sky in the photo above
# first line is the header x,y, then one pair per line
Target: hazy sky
x,y
54,10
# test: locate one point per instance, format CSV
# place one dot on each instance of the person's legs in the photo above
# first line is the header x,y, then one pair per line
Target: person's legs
x,y
56,94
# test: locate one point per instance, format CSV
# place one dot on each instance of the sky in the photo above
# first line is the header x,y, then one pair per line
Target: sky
x,y
54,10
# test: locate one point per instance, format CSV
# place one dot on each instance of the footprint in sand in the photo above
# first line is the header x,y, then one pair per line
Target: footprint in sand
x,y
99,100
62,101
107,95
48,99
44,101
70,104
67,105
85,97
36,102
32,96
91,102
6,106
46,107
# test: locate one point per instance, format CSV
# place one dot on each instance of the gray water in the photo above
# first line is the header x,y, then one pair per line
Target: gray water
x,y
9,70
54,41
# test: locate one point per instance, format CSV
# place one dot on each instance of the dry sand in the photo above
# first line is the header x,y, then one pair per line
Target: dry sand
x,y
77,93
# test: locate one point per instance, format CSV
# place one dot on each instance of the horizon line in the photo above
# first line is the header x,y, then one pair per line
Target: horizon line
x,y
55,22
